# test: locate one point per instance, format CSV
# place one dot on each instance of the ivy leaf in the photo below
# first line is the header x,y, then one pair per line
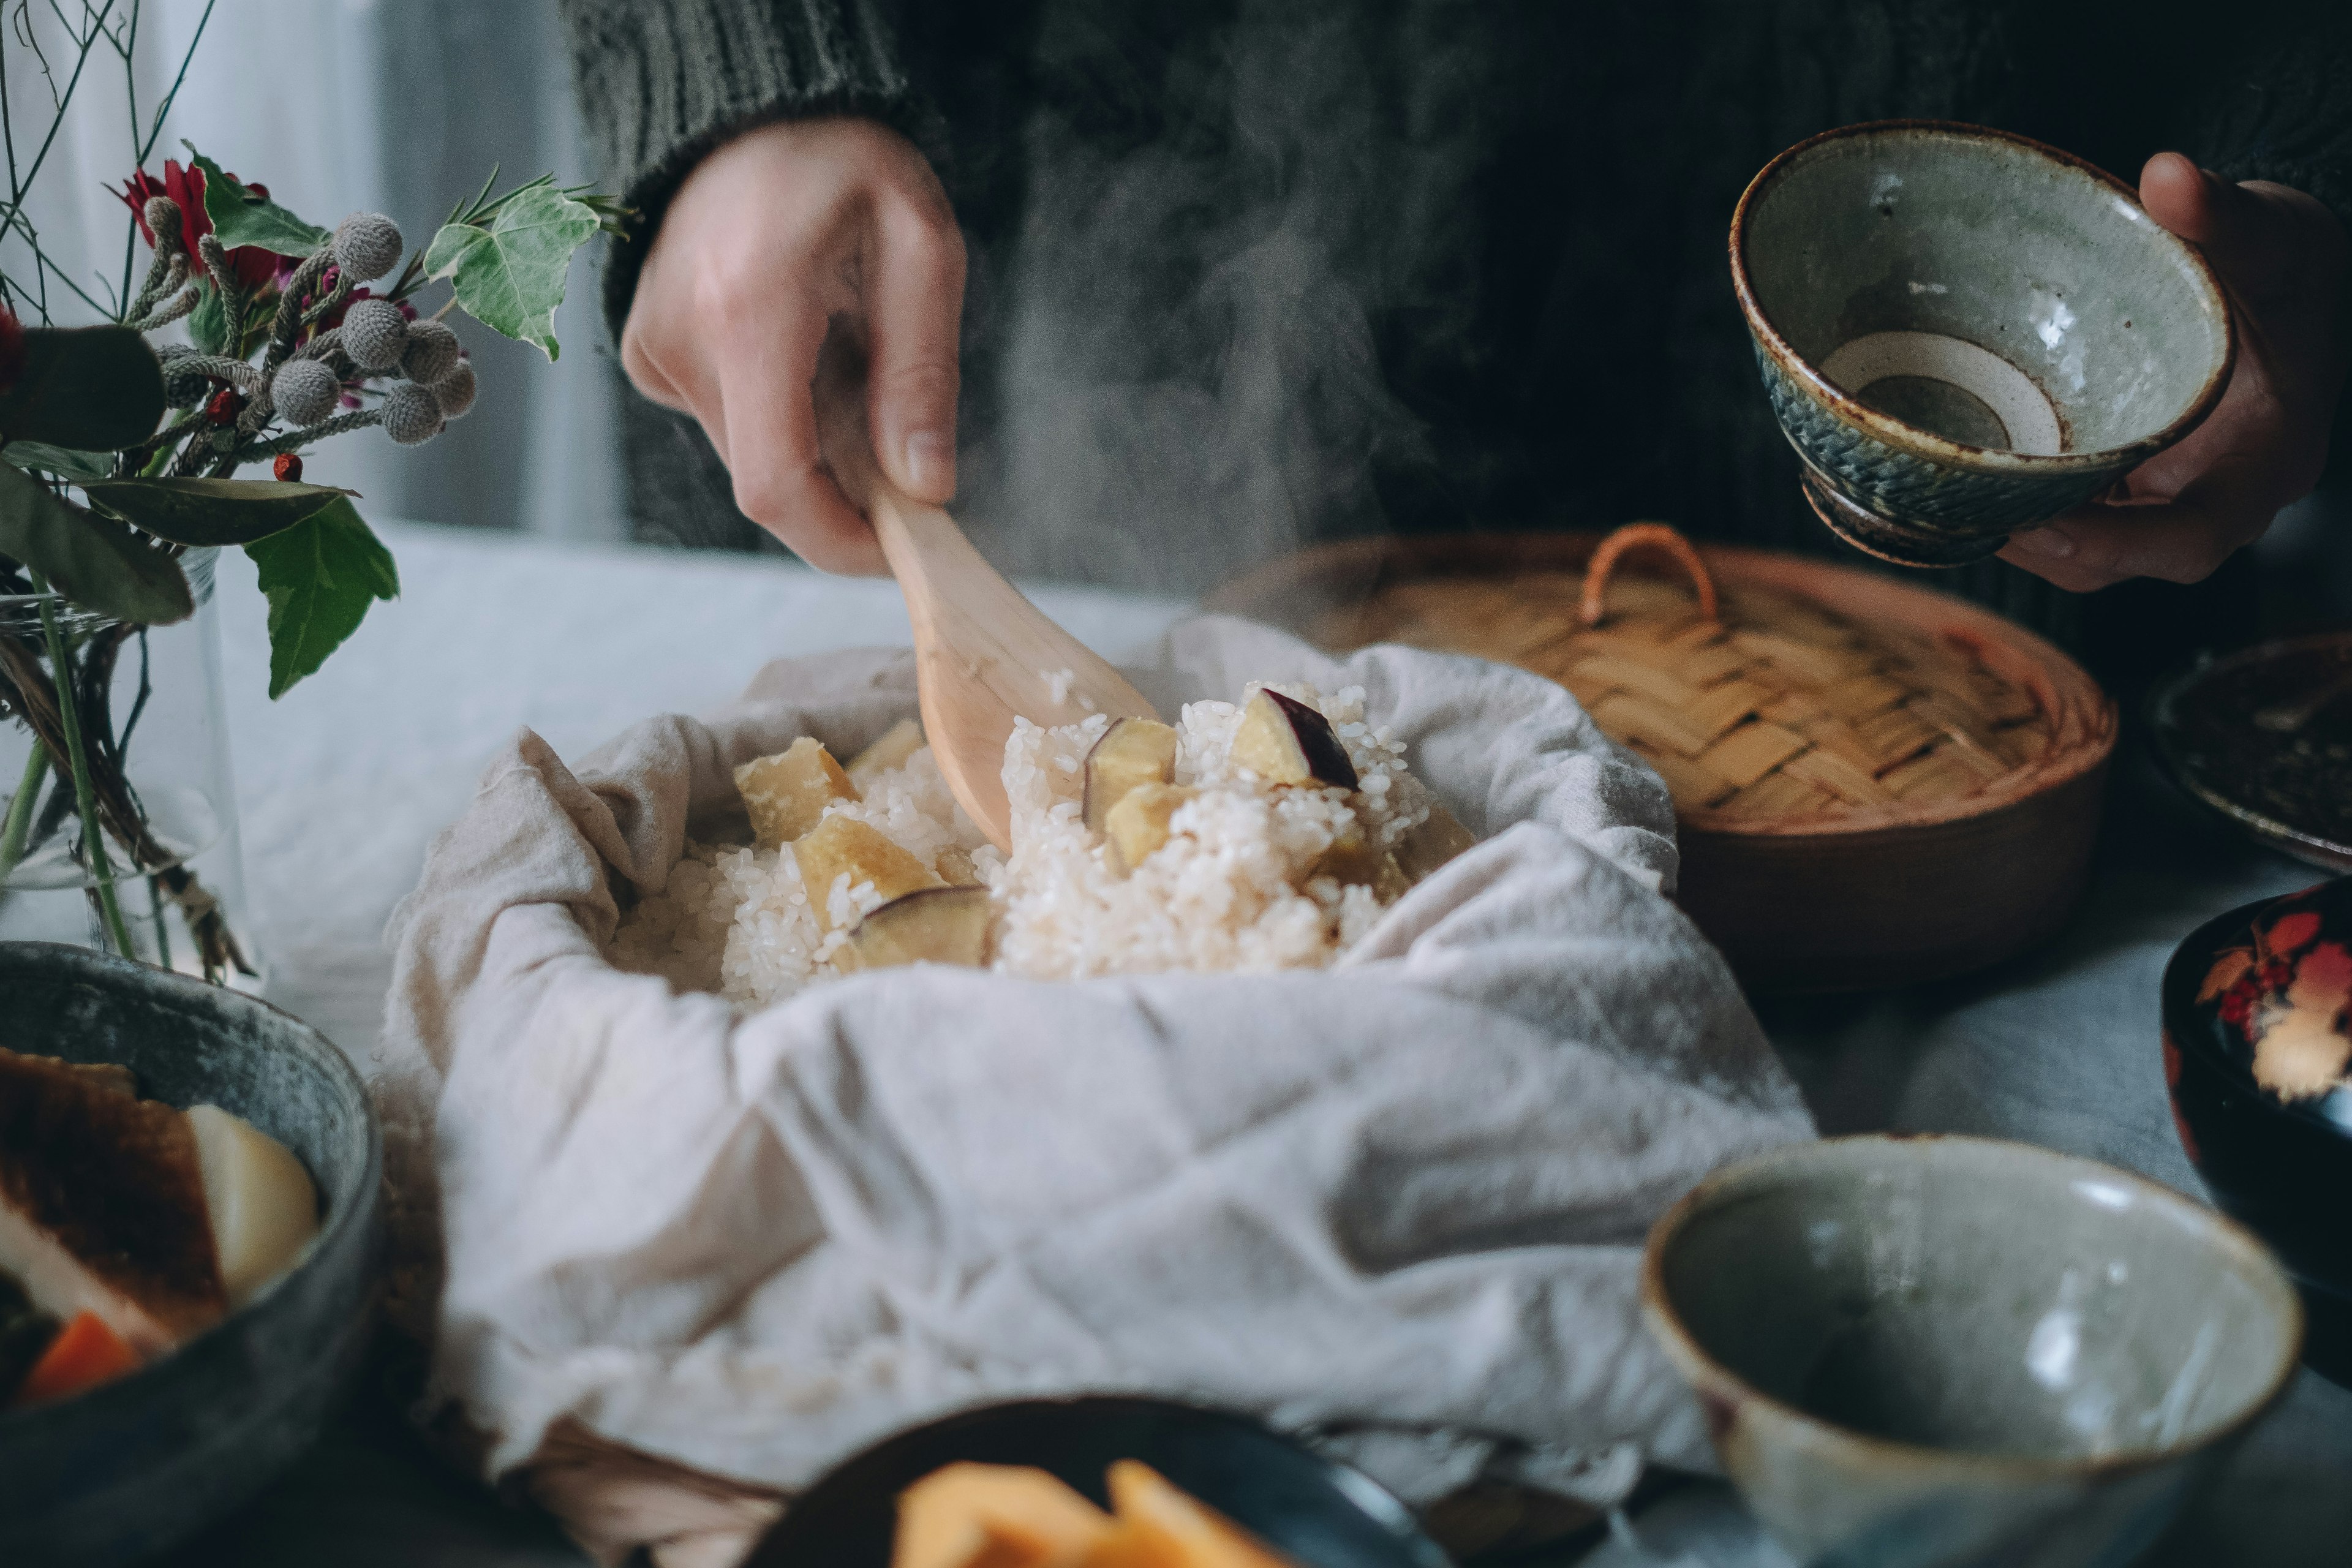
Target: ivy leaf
x,y
94,560
319,576
509,272
211,511
240,218
62,461
93,388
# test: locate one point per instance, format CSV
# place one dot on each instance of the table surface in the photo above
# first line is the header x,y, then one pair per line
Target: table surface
x,y
341,783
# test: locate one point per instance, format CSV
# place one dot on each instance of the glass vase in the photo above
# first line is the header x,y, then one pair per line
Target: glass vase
x,y
169,887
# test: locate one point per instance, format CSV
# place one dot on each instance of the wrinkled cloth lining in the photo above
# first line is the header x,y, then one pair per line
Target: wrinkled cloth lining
x,y
1398,1204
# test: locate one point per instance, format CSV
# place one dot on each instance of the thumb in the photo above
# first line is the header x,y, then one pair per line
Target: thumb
x,y
913,309
2244,234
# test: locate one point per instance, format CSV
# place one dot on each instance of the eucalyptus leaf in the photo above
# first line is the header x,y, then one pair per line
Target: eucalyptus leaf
x,y
62,461
212,511
240,218
94,560
91,388
509,273
319,577
208,323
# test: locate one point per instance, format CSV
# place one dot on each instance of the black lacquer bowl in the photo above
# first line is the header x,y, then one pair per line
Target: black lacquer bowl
x,y
1318,1513
2252,1002
126,1470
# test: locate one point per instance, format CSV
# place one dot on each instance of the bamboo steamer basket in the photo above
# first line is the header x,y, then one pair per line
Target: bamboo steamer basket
x,y
1875,784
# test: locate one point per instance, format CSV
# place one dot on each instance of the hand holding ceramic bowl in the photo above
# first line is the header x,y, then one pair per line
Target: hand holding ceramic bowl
x,y
1964,334
1923,1353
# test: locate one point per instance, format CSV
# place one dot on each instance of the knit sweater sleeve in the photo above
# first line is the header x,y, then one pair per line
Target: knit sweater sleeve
x,y
2282,112
662,82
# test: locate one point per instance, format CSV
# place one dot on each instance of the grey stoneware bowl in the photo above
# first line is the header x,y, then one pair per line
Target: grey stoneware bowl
x,y
1964,334
1924,1350
130,1468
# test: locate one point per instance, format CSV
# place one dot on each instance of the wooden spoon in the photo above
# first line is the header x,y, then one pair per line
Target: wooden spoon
x,y
984,654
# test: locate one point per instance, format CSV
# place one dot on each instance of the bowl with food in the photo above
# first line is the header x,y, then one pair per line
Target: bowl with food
x,y
188,1248
754,1103
1109,1480
2258,1059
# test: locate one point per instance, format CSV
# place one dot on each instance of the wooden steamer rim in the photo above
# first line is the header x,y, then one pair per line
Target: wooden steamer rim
x,y
2081,718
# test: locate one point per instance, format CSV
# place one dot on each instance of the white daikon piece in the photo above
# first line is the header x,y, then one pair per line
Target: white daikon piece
x,y
264,1208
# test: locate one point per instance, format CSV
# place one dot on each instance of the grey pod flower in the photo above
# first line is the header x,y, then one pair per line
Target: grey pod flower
x,y
184,386
162,216
454,392
411,414
305,391
374,333
367,244
432,353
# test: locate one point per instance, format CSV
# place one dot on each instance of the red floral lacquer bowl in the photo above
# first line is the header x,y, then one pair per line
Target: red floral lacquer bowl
x,y
2258,1055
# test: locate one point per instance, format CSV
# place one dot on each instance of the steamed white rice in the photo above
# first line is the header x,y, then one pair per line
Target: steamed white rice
x,y
1229,891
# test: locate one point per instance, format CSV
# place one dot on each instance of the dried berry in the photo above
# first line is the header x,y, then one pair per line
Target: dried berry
x,y
367,244
432,353
222,409
305,391
454,392
288,467
410,413
374,333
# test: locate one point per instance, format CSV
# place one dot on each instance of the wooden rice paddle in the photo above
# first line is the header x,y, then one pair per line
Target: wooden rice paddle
x,y
984,654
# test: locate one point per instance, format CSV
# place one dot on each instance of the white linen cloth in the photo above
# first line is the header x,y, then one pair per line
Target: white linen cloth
x,y
1399,1202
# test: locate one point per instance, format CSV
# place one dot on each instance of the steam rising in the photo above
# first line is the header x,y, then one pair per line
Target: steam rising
x,y
1186,380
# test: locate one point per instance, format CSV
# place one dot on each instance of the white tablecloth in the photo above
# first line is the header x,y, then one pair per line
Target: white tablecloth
x,y
341,785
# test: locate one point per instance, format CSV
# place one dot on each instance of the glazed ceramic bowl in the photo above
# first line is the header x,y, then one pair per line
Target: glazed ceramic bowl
x,y
1964,332
126,1470
1943,1351
2249,999
1320,1512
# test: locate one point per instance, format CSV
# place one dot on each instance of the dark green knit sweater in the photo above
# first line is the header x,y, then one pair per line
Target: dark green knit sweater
x,y
1247,276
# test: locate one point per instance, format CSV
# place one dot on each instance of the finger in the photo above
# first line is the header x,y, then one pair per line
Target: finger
x,y
770,444
2243,234
2180,541
914,308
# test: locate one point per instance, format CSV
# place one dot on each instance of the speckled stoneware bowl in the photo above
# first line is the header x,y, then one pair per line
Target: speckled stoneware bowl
x,y
1964,334
126,1470
1317,1512
1916,1352
2258,1059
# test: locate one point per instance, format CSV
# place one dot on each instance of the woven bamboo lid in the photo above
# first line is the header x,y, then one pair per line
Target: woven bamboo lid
x,y
1756,704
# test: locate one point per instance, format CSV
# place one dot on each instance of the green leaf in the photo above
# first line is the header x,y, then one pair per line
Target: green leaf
x,y
91,388
211,511
208,323
62,461
509,274
94,560
319,576
240,218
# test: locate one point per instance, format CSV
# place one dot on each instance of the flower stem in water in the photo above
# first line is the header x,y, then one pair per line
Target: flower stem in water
x,y
19,824
85,800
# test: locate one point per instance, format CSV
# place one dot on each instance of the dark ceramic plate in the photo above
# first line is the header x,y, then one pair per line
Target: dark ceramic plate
x,y
126,1470
2281,1167
1318,1513
2264,737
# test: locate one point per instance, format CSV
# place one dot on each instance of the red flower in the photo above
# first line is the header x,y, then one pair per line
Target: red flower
x,y
253,266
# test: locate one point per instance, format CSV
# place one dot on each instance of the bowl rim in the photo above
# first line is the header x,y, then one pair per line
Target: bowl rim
x,y
1820,1436
2310,848
1926,444
364,1209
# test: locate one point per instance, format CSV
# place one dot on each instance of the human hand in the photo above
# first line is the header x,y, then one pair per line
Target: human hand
x,y
772,236
2284,258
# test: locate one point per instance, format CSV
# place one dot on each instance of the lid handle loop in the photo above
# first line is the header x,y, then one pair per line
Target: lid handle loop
x,y
1635,536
